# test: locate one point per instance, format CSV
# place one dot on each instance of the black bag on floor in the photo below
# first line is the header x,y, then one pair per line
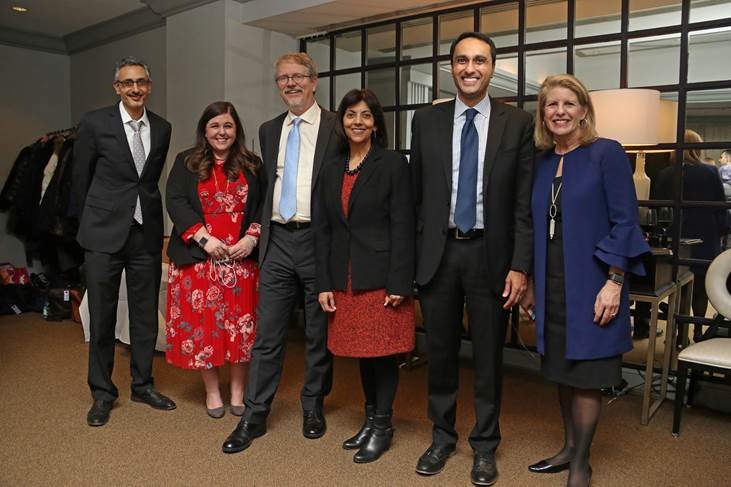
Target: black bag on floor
x,y
17,299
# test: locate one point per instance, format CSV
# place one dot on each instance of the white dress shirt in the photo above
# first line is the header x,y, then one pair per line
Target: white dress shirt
x,y
309,127
144,128
481,121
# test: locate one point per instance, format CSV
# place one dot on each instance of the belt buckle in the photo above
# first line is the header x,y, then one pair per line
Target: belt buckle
x,y
457,235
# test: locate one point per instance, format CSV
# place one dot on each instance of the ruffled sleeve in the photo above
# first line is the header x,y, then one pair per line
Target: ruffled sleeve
x,y
625,243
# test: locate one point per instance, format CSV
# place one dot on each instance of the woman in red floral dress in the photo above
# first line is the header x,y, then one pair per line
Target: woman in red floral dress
x,y
213,198
364,246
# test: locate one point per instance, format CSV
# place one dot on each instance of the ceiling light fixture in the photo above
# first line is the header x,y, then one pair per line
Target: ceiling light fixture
x,y
19,9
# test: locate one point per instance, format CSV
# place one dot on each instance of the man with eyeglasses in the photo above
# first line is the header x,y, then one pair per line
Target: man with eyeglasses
x,y
118,157
295,146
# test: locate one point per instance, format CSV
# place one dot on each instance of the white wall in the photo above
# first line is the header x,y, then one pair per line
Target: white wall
x,y
249,71
92,72
34,99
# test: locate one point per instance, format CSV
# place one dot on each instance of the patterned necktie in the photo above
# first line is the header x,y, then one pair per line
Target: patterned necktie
x,y
288,199
138,154
465,211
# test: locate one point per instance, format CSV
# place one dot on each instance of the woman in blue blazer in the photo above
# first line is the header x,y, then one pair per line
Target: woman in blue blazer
x,y
586,237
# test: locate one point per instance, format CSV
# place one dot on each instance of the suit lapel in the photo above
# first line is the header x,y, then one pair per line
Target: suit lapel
x,y
445,126
495,131
368,169
336,189
154,136
275,133
118,128
327,126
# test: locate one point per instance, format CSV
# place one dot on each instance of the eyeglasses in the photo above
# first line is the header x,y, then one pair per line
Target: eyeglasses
x,y
129,83
297,78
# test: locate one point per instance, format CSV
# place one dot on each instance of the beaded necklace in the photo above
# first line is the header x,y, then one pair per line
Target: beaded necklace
x,y
356,170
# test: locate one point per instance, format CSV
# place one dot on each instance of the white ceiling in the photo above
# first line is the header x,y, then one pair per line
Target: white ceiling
x,y
58,18
334,14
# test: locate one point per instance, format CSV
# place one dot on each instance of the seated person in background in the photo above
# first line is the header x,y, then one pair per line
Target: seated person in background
x,y
213,198
725,166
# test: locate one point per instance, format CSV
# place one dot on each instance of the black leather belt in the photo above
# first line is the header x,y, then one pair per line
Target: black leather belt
x,y
457,234
293,225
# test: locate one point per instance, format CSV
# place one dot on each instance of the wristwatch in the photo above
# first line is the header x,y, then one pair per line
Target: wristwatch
x,y
202,242
617,278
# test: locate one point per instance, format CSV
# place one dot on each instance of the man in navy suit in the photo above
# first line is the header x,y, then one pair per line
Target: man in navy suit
x,y
118,158
472,165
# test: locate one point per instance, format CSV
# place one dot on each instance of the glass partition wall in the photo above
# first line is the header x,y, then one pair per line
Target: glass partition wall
x,y
680,47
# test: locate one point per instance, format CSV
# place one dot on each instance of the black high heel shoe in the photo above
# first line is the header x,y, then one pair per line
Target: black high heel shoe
x,y
544,467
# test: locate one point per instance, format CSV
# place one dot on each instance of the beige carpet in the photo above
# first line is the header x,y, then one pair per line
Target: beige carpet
x,y
44,439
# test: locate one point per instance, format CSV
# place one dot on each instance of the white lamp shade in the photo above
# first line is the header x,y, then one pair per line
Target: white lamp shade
x,y
629,116
668,126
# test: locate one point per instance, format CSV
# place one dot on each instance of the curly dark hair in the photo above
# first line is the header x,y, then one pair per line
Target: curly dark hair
x,y
353,97
239,157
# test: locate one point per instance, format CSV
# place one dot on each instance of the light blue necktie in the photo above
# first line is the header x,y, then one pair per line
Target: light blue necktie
x,y
465,211
288,198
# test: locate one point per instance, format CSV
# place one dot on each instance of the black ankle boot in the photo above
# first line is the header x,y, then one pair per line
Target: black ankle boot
x,y
357,441
377,442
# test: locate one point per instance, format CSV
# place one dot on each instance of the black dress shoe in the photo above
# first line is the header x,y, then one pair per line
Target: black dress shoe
x,y
434,458
153,398
484,469
243,436
313,424
99,413
544,467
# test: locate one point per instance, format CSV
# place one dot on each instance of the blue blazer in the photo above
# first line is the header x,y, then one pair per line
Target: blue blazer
x,y
600,228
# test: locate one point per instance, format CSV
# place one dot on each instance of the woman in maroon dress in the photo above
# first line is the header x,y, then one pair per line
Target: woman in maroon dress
x,y
365,262
213,198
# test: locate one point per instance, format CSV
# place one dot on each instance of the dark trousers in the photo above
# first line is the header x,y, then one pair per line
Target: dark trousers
x,y
103,275
461,278
288,268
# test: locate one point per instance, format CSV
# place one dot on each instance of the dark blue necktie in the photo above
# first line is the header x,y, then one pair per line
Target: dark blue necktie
x,y
465,211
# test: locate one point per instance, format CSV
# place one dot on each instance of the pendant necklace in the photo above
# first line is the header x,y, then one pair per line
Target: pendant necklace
x,y
553,209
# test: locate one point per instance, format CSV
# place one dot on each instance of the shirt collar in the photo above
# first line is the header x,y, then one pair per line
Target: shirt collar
x,y
126,118
483,107
309,117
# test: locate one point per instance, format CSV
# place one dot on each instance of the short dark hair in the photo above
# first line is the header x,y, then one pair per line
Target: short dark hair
x,y
477,35
354,97
130,61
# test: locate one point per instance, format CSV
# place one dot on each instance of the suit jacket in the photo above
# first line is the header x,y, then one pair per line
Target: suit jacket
x,y
326,149
508,173
600,229
185,210
701,182
106,184
377,236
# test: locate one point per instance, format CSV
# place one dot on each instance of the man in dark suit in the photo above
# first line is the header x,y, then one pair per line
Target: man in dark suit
x,y
294,145
118,157
472,164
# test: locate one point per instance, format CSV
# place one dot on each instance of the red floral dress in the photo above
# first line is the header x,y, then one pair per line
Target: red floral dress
x,y
361,326
211,312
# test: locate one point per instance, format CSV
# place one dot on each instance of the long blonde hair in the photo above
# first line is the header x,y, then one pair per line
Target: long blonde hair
x,y
543,137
